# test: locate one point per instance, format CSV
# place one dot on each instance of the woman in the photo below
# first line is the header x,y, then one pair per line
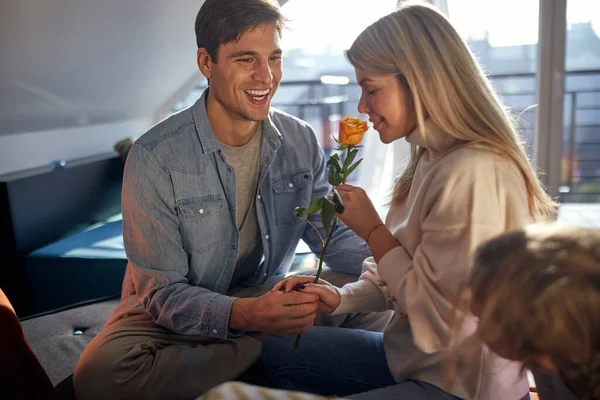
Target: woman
x,y
468,180
536,292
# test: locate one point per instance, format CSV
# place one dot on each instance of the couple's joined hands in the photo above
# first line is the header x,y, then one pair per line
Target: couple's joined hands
x,y
328,297
290,307
276,313
286,309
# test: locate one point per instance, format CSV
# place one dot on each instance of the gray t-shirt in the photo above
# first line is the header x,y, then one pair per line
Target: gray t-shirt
x,y
245,160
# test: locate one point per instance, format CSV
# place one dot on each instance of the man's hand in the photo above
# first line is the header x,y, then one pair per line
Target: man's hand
x,y
296,282
275,313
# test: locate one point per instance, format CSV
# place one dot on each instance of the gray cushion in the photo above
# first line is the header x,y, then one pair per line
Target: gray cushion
x,y
58,339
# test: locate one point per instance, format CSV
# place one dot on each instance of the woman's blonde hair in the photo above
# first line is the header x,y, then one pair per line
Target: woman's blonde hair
x,y
419,45
536,292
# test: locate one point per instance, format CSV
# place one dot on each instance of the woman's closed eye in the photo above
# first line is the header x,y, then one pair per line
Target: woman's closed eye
x,y
370,91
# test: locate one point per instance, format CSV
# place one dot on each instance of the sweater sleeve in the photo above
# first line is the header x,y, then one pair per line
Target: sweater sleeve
x,y
368,293
464,205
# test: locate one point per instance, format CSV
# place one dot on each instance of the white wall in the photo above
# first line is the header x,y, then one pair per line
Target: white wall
x,y
28,150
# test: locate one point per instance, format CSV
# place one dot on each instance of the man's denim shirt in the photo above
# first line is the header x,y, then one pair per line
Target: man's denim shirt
x,y
179,225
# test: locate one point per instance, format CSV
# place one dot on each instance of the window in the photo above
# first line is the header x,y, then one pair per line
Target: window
x,y
580,162
504,38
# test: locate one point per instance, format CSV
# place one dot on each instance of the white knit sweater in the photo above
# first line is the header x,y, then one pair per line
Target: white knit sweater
x,y
461,196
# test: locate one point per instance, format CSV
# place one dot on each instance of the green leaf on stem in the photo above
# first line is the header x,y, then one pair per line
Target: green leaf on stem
x,y
300,212
337,201
316,205
335,176
334,160
352,168
327,213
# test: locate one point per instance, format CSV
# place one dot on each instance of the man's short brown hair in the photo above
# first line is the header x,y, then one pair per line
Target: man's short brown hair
x,y
223,21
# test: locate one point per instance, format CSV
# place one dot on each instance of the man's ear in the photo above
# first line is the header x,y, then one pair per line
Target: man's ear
x,y
204,62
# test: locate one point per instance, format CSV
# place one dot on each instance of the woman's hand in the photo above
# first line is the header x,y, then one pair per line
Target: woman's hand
x,y
329,297
359,212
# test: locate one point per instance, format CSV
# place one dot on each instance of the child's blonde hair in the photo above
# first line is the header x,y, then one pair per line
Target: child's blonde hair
x,y
536,292
419,46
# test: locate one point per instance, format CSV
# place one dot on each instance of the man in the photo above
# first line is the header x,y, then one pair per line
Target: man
x,y
208,225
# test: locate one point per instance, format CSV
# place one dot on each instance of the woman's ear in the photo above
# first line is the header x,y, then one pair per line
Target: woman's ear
x,y
204,61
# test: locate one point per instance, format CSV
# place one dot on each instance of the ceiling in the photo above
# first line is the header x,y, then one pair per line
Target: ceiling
x,y
67,63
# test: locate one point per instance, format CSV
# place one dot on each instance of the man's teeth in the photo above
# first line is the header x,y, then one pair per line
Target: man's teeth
x,y
257,93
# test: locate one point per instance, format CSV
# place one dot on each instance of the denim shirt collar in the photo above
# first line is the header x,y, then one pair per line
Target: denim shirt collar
x,y
209,141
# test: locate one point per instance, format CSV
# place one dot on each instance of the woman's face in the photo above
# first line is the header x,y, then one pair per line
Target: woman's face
x,y
388,104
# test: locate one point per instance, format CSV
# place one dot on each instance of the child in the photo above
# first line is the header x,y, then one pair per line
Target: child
x,y
537,294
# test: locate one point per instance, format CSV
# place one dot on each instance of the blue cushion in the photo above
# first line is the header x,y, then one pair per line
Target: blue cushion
x,y
82,267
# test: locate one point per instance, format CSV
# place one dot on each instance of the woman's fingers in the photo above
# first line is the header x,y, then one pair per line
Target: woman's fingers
x,y
328,295
322,290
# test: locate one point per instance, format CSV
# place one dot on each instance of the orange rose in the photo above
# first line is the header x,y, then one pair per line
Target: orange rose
x,y
352,130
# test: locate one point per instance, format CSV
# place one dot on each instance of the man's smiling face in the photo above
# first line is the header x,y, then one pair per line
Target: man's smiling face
x,y
247,74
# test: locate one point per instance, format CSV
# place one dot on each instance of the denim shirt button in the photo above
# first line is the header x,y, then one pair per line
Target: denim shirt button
x,y
258,197
267,237
229,169
233,246
291,185
201,211
215,331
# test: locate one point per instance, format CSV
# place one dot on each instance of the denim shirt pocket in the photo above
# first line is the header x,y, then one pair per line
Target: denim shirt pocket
x,y
201,206
291,190
202,221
